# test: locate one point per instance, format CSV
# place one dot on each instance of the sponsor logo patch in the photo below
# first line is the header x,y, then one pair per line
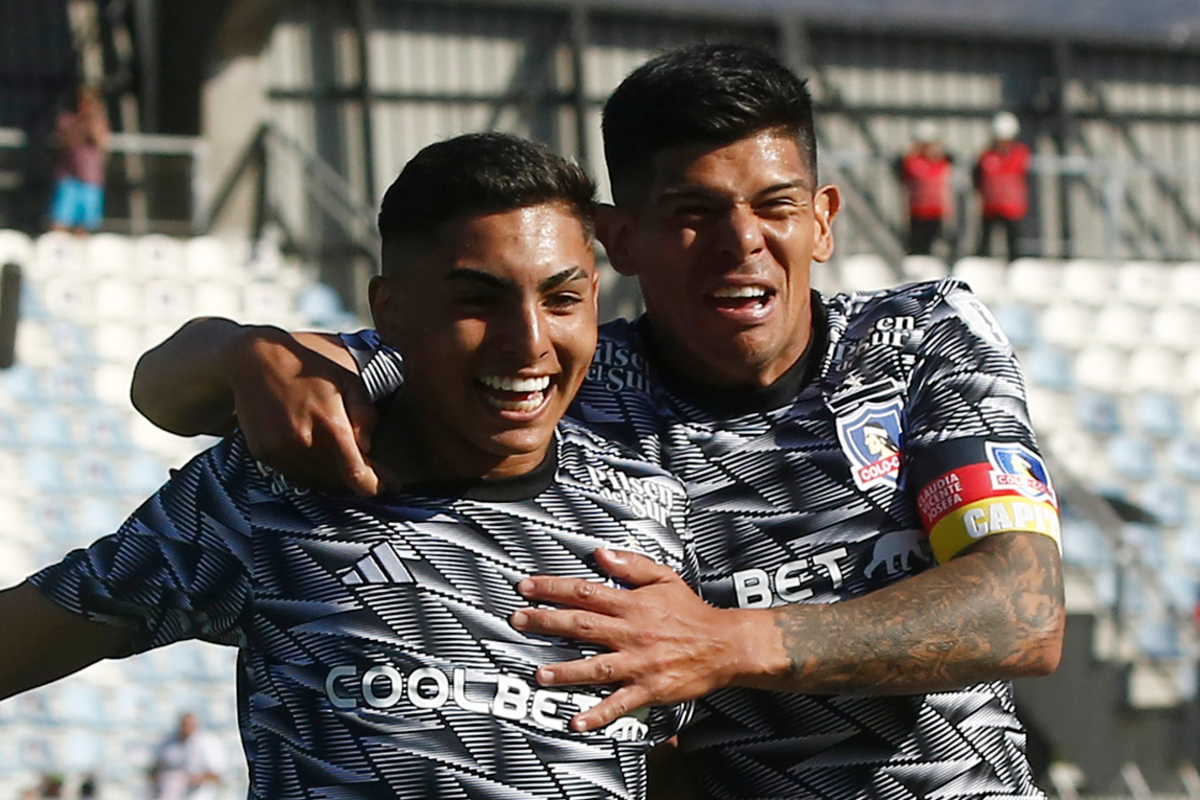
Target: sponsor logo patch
x,y
870,437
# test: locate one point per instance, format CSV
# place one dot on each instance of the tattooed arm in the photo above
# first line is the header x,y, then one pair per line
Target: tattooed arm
x,y
994,612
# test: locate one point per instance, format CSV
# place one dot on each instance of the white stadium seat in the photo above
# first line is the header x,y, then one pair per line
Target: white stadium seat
x,y
110,254
923,268
1020,323
1079,453
208,258
167,301
1100,368
160,257
213,299
117,342
1033,280
1175,326
1185,283
987,277
1090,282
1047,408
118,299
15,248
1066,325
1153,369
267,302
1190,374
1121,325
58,253
67,298
1144,283
865,272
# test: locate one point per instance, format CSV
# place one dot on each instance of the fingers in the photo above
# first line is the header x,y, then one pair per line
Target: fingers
x,y
616,705
574,592
604,668
632,569
582,626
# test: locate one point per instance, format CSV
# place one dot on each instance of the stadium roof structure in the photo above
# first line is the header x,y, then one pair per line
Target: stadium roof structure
x,y
1172,22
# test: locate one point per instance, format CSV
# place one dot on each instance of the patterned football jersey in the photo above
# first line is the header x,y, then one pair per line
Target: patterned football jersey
x,y
898,440
376,658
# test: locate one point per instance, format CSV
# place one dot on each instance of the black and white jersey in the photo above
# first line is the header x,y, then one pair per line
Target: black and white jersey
x,y
901,438
376,657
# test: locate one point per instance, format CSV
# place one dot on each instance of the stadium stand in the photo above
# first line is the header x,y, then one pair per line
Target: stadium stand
x,y
75,459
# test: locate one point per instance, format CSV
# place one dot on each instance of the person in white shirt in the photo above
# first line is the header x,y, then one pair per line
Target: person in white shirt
x,y
189,764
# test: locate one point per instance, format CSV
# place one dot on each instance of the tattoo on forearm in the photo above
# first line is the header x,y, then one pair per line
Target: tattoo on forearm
x,y
994,612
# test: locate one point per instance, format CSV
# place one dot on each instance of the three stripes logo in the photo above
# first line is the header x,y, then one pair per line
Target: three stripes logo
x,y
381,565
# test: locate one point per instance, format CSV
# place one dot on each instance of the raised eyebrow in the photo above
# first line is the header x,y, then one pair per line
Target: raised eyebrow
x,y
559,278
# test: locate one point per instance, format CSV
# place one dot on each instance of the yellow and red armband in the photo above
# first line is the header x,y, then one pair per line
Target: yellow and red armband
x,y
1011,491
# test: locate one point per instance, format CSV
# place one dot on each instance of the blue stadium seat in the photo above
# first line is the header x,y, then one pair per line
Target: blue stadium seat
x,y
1183,456
82,751
21,384
100,516
1145,543
144,475
1157,414
80,703
105,431
1020,322
38,753
45,472
1084,543
1131,456
1049,367
96,474
46,428
1167,500
71,341
1097,412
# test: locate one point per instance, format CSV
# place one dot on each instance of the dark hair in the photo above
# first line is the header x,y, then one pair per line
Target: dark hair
x,y
700,94
480,173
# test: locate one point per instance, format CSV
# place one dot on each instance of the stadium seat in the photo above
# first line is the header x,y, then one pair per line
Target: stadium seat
x,y
1185,283
83,751
117,342
1187,547
1157,414
319,304
1079,453
1020,323
1120,325
1097,412
100,516
1084,543
1066,325
267,302
1190,373
109,254
16,557
865,272
69,385
15,248
71,342
167,301
103,430
1166,500
987,277
67,298
1183,457
1153,369
922,268
1049,367
214,299
1047,408
45,472
112,385
159,257
1175,327
1100,368
1143,283
118,300
1131,456
46,428
1034,280
95,474
57,253
208,258
1090,282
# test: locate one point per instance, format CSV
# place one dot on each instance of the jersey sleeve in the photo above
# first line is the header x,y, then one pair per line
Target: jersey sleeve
x,y
178,568
970,457
381,367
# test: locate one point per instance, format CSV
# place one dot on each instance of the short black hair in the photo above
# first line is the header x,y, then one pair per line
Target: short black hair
x,y
700,94
480,173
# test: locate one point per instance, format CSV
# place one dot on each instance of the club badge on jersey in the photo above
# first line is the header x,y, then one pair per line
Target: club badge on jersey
x,y
870,437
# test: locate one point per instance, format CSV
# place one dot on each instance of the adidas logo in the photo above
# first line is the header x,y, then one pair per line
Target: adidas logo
x,y
381,565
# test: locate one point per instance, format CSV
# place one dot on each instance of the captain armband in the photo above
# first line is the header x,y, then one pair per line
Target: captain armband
x,y
1011,492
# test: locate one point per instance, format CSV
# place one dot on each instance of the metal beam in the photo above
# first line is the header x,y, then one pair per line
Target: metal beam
x,y
364,23
579,38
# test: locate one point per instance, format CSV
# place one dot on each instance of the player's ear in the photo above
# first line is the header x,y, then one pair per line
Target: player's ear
x,y
827,201
382,296
614,229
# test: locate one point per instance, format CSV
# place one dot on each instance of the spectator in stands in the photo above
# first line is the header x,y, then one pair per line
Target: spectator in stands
x,y
83,136
189,764
1001,178
925,172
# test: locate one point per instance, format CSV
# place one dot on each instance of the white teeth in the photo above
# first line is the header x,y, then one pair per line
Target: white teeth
x,y
740,291
507,384
516,405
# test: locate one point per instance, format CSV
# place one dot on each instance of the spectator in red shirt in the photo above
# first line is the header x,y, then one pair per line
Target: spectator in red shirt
x,y
925,172
1001,178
